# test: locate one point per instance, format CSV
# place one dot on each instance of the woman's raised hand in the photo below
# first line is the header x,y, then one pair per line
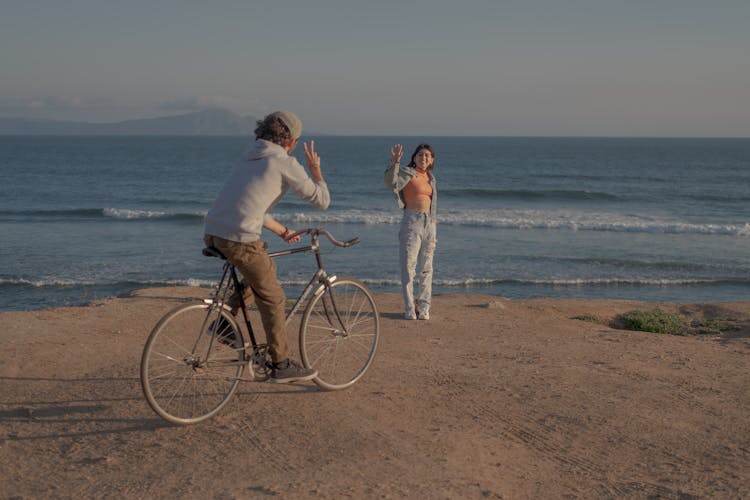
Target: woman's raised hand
x,y
396,152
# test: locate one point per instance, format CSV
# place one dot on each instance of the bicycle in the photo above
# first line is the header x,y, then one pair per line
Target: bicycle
x,y
196,355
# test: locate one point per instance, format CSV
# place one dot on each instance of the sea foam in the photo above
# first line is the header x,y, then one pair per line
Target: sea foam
x,y
528,220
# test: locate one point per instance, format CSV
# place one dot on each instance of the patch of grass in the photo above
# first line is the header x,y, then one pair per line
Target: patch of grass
x,y
590,318
655,321
713,326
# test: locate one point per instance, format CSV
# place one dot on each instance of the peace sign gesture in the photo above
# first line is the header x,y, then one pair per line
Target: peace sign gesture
x,y
313,161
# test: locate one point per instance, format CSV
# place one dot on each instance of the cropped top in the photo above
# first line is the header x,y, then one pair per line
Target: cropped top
x,y
397,177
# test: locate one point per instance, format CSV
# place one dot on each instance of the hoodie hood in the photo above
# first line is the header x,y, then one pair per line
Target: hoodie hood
x,y
264,149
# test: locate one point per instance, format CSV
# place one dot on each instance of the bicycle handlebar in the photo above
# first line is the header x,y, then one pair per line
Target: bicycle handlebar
x,y
316,232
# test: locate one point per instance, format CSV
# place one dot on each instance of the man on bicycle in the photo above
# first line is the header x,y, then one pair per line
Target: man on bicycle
x,y
235,221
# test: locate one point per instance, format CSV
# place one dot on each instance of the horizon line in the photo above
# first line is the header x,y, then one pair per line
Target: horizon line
x,y
327,134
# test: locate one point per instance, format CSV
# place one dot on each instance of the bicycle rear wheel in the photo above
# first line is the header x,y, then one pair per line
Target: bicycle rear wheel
x,y
192,363
339,333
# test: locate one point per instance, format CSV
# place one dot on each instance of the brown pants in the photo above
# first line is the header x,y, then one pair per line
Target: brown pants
x,y
259,276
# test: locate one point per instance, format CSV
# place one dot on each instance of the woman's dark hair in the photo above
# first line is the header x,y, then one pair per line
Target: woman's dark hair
x,y
419,148
273,129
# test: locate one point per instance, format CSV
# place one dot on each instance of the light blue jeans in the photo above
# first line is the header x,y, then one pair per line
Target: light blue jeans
x,y
417,238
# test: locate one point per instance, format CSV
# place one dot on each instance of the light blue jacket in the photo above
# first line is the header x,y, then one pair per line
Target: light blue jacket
x,y
397,177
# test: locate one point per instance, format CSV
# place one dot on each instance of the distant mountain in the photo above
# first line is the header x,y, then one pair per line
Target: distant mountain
x,y
207,122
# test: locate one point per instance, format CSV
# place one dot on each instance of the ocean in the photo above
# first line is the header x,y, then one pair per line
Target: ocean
x,y
85,218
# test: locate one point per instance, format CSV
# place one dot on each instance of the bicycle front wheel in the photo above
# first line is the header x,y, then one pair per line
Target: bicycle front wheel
x,y
339,333
192,363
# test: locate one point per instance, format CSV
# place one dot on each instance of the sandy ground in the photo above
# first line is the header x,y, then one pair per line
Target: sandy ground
x,y
491,398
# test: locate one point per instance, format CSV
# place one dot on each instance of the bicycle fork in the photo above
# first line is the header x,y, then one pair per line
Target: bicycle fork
x,y
334,310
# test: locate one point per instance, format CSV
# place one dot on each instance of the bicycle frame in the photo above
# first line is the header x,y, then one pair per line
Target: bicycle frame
x,y
319,279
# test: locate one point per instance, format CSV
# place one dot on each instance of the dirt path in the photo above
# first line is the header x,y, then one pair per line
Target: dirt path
x,y
491,398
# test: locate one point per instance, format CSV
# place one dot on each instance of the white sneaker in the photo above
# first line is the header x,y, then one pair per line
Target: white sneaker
x,y
409,315
423,315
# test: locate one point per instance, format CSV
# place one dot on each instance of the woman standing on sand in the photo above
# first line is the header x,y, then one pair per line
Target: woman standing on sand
x,y
416,193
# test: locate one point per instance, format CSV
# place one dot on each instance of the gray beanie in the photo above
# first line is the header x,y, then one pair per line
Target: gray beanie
x,y
291,121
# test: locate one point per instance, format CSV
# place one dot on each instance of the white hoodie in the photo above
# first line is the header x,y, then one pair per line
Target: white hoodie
x,y
255,185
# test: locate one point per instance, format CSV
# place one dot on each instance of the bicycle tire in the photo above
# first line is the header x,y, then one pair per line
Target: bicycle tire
x,y
340,355
192,363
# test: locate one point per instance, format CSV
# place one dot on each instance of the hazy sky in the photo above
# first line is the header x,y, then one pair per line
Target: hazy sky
x,y
424,67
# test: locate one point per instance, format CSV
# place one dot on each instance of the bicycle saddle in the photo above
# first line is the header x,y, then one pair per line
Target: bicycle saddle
x,y
213,252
